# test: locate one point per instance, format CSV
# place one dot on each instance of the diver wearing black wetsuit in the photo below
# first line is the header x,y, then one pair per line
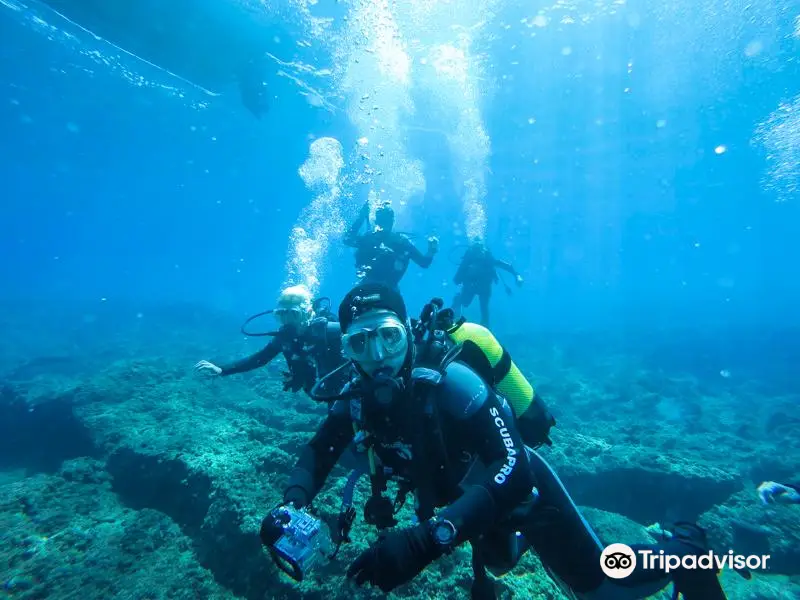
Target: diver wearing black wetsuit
x,y
310,344
310,354
444,434
476,274
383,255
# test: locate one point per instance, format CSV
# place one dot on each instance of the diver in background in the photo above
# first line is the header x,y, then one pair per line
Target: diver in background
x,y
445,435
383,254
310,344
476,274
771,492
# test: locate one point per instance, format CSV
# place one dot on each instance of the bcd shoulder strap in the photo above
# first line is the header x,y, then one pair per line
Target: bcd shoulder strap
x,y
430,454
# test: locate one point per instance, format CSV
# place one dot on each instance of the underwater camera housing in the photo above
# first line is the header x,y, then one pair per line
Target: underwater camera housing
x,y
300,541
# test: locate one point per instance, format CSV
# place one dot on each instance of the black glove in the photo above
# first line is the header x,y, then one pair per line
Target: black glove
x,y
295,495
301,374
396,558
379,511
271,528
291,383
272,525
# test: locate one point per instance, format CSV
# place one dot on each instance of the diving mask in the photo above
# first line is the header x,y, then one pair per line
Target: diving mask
x,y
377,341
295,316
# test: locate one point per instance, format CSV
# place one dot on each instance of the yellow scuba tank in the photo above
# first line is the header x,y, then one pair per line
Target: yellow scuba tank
x,y
482,352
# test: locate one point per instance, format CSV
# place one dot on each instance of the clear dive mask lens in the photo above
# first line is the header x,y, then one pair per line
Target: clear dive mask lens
x,y
391,339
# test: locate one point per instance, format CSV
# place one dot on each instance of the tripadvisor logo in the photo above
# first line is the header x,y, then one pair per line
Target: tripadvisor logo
x,y
618,561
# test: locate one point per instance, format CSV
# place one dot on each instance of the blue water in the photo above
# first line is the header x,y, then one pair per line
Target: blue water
x,y
123,192
642,170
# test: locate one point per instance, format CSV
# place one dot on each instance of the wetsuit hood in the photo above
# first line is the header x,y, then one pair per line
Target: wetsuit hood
x,y
367,297
384,217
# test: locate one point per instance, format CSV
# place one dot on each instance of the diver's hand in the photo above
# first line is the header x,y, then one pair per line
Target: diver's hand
x,y
272,526
771,492
291,383
433,245
519,280
204,365
396,558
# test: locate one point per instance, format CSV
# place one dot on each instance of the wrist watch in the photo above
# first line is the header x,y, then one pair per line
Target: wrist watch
x,y
443,531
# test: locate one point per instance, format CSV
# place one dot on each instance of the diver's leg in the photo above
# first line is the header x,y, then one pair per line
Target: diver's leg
x,y
503,545
483,298
466,296
457,303
570,550
482,585
499,550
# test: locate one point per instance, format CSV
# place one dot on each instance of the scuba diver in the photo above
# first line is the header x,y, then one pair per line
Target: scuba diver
x,y
310,342
476,274
772,492
444,434
383,254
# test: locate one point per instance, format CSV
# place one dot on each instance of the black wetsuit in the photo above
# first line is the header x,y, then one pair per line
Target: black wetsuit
x,y
478,429
490,485
311,355
476,274
384,256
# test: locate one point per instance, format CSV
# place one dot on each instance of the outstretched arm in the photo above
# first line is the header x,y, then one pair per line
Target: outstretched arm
x,y
423,260
505,266
259,359
319,457
352,235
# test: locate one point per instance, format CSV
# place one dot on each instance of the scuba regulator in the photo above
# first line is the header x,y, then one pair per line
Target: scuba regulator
x,y
430,334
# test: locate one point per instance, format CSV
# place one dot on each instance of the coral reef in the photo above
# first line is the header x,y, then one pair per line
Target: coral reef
x,y
124,475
